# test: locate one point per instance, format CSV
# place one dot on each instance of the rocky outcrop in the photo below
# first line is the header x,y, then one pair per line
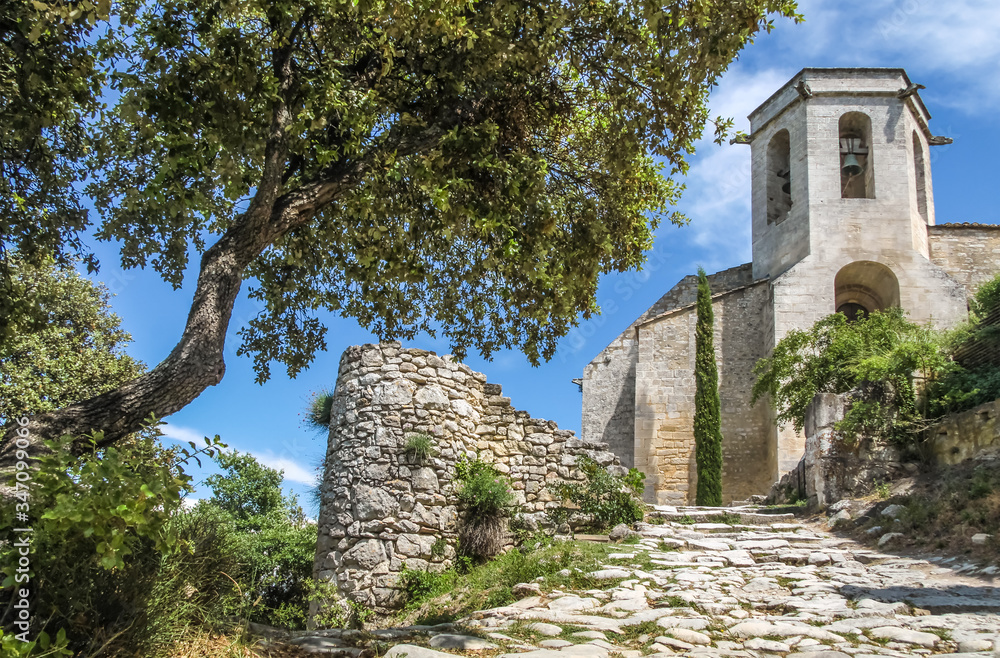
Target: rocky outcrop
x,y
383,510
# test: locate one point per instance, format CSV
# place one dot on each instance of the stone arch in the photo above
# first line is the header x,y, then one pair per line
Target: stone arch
x,y
779,181
865,286
857,172
920,175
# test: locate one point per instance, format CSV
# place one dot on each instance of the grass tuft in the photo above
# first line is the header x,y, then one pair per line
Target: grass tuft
x,y
420,447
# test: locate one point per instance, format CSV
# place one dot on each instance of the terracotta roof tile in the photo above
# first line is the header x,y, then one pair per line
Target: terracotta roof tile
x,y
966,225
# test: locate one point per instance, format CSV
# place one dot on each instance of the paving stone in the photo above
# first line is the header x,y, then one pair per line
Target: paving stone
x,y
674,643
413,651
572,603
554,644
590,635
460,642
760,644
971,646
687,635
905,635
542,628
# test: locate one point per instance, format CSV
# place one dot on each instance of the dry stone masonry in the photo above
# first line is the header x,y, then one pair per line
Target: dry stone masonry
x,y
383,510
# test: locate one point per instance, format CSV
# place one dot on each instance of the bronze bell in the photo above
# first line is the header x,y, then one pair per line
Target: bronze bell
x,y
851,166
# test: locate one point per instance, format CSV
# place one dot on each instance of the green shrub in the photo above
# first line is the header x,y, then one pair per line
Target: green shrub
x,y
874,359
607,499
487,501
420,447
420,585
12,647
985,299
268,537
484,491
98,547
960,390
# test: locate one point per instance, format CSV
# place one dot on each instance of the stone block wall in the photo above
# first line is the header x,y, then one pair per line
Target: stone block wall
x,y
609,380
965,435
970,253
665,389
381,511
829,469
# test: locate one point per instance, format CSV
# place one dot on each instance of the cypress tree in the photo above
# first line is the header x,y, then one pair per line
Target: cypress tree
x,y
707,422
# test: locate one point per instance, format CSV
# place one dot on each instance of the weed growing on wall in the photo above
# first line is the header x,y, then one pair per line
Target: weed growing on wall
x,y
420,447
318,411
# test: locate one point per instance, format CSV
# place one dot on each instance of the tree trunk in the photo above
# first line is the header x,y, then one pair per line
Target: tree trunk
x,y
197,361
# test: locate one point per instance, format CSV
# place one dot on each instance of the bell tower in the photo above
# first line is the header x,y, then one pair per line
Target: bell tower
x,y
840,158
841,202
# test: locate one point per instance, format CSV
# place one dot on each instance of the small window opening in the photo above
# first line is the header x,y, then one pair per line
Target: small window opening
x,y
779,178
857,176
853,311
920,176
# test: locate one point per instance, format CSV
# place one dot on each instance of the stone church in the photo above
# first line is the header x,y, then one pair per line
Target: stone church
x,y
842,220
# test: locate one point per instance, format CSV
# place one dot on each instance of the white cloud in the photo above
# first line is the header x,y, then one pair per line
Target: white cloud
x,y
293,471
717,198
956,39
182,434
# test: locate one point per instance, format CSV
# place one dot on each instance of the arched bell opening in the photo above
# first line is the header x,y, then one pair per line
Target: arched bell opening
x,y
779,178
863,287
857,175
920,176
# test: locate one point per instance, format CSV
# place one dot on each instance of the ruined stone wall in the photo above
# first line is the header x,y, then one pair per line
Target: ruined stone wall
x,y
609,381
665,390
381,510
830,469
970,253
965,435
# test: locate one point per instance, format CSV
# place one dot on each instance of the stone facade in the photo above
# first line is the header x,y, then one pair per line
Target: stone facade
x,y
665,385
824,238
829,469
381,510
609,380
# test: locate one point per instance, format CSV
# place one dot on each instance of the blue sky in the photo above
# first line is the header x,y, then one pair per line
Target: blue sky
x,y
952,48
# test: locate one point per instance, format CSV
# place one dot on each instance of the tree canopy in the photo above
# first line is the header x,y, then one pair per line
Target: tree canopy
x,y
419,165
875,358
50,87
67,346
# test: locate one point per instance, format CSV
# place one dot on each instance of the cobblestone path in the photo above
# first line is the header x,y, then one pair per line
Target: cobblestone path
x,y
762,587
